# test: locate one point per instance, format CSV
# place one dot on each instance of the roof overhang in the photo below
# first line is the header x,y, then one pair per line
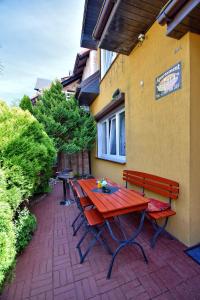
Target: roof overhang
x,y
180,16
128,19
91,13
88,89
70,80
80,62
79,65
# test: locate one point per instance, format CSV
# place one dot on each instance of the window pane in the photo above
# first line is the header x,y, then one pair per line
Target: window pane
x,y
113,136
104,139
107,58
122,145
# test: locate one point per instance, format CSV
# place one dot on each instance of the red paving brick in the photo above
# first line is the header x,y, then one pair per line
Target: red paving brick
x,y
49,268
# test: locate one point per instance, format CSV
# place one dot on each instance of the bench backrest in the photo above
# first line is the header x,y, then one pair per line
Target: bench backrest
x,y
76,189
159,185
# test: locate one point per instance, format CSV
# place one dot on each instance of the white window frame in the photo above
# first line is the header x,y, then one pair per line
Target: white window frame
x,y
108,156
107,57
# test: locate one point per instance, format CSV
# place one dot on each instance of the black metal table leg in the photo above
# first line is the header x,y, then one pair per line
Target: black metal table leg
x,y
66,190
126,242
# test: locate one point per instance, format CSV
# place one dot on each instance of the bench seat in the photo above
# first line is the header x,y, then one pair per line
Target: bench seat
x,y
161,214
93,217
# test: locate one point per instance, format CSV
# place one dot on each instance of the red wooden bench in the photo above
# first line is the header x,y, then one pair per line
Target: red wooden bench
x,y
157,210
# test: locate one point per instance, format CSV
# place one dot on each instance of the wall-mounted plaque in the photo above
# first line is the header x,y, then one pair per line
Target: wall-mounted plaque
x,y
168,81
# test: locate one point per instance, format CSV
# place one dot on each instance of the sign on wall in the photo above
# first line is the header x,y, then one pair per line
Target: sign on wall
x,y
168,81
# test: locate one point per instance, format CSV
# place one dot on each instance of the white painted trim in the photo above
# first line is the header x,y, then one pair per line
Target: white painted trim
x,y
115,158
108,156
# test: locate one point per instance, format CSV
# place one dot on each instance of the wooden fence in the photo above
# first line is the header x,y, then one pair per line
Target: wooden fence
x,y
79,163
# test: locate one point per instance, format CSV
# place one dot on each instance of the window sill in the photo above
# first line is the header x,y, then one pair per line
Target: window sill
x,y
117,161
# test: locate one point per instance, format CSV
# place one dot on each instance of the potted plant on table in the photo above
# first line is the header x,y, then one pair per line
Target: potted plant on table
x,y
103,184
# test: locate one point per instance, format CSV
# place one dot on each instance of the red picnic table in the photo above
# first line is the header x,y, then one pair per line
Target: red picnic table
x,y
120,202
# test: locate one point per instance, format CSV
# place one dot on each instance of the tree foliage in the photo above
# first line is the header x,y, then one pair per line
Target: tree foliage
x,y
70,126
25,103
26,152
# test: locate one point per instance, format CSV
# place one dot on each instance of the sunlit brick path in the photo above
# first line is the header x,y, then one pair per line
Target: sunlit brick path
x,y
49,268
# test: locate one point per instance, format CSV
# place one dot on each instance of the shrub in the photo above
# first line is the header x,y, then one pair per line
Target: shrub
x,y
26,151
7,241
26,158
10,192
25,225
14,236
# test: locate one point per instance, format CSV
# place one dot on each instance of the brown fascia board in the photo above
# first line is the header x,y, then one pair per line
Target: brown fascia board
x,y
79,60
70,80
169,11
103,18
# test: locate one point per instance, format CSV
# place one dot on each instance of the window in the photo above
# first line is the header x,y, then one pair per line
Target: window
x,y
107,57
111,137
69,94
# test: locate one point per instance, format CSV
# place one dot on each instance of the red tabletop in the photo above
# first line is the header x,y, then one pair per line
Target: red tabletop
x,y
118,203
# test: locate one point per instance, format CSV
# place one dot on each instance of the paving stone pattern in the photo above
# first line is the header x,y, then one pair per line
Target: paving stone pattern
x,y
49,268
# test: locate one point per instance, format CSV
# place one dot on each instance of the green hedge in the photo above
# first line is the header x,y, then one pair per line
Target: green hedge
x,y
26,158
7,241
25,150
25,225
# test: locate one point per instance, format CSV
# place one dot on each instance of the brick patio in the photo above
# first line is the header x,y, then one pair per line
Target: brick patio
x,y
49,268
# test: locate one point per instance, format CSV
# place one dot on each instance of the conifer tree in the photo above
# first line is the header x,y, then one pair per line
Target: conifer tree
x,y
70,126
26,104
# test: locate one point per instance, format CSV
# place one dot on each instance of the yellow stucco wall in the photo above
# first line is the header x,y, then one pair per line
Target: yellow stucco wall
x,y
195,139
157,131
